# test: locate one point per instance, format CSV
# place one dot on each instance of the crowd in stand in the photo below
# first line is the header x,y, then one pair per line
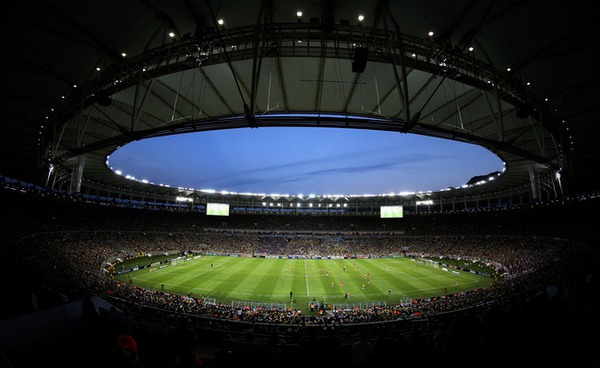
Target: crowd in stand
x,y
59,245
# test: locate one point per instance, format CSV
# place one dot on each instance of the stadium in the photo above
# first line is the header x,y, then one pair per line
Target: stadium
x,y
499,269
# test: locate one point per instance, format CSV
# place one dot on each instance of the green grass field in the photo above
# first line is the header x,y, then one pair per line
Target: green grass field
x,y
270,280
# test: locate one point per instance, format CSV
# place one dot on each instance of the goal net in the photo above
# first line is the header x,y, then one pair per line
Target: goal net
x,y
177,261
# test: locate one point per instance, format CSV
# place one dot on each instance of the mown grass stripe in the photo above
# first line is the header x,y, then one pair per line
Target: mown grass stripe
x,y
270,280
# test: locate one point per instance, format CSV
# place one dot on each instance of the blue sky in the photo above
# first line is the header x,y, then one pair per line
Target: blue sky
x,y
291,160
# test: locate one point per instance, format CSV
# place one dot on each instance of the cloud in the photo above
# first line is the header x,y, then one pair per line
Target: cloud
x,y
310,172
320,163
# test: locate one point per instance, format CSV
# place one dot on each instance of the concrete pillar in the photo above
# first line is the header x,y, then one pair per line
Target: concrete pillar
x,y
77,176
534,181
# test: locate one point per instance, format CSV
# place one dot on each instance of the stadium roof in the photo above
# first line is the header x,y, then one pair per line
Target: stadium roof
x,y
81,78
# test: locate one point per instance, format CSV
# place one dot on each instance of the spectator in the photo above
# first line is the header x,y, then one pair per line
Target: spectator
x,y
187,358
361,351
128,349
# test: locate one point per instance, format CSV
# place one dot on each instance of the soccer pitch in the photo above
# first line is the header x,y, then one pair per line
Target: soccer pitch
x,y
295,282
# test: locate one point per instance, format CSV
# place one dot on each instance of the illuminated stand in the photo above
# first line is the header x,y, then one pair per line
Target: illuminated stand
x,y
186,199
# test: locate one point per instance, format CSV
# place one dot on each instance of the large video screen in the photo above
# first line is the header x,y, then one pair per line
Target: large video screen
x,y
217,209
391,212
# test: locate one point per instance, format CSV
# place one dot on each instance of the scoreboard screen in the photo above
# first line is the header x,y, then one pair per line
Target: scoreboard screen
x,y
217,209
391,212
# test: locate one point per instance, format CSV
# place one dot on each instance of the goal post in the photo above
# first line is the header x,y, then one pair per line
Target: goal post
x,y
176,261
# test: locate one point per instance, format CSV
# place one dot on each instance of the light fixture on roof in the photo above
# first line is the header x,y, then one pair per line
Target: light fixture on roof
x,y
299,16
360,19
